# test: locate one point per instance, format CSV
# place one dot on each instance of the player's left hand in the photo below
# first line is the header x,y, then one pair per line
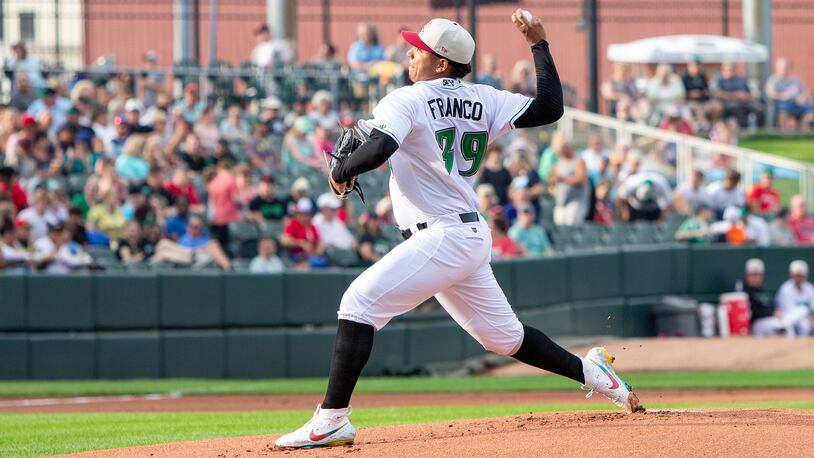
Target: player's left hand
x,y
533,31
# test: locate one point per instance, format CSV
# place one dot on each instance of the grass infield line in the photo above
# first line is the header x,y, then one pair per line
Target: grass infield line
x,y
653,380
39,434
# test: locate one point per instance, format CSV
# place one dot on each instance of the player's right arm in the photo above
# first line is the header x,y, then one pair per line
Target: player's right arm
x,y
547,105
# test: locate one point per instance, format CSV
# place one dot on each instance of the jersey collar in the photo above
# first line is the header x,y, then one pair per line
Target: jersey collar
x,y
446,83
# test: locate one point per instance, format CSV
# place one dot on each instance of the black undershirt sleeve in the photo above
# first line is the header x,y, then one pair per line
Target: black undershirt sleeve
x,y
547,106
373,153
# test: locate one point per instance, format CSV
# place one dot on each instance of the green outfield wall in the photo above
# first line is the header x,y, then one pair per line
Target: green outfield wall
x,y
240,325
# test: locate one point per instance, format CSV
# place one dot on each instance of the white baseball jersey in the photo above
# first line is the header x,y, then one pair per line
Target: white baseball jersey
x,y
442,127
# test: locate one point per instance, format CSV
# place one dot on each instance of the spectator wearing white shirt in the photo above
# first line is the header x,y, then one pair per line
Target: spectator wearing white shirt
x,y
691,194
724,194
795,299
57,253
595,154
39,215
266,261
269,51
332,232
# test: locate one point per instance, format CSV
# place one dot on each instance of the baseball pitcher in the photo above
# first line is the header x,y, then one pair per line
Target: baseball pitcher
x,y
434,135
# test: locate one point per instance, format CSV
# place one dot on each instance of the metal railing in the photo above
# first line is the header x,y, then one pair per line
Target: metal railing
x,y
792,176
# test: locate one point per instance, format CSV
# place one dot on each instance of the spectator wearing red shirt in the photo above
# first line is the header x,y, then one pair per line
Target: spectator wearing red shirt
x,y
765,194
802,224
674,122
225,199
301,238
10,186
179,185
503,247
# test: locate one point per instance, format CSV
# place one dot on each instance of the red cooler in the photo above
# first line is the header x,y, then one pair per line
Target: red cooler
x,y
738,312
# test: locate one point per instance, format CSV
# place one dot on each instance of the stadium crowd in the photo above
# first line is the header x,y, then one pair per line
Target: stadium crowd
x,y
118,171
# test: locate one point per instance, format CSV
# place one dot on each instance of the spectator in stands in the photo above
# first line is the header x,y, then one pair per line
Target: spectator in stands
x,y
780,229
801,222
176,225
489,74
301,237
757,229
193,155
121,132
151,79
133,109
765,194
13,256
224,201
194,248
299,153
326,59
190,107
322,113
233,127
522,79
503,247
763,321
644,196
154,189
269,52
696,228
364,52
530,236
696,87
397,52
373,245
734,95
622,96
266,261
795,301
10,186
572,195
19,143
265,206
594,155
723,194
39,216
130,165
690,194
333,233
487,199
732,228
107,217
260,150
495,174
23,94
206,128
299,188
23,63
664,91
675,121
49,102
56,253
134,248
790,98
76,226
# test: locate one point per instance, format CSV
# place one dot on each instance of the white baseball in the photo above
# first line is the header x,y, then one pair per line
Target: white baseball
x,y
526,16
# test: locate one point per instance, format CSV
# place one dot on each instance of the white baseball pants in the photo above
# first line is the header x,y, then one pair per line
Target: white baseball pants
x,y
449,260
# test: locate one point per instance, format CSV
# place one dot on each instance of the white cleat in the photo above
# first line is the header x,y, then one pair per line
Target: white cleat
x,y
600,376
324,429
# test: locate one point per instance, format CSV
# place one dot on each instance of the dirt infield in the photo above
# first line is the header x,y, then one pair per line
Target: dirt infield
x,y
364,400
579,434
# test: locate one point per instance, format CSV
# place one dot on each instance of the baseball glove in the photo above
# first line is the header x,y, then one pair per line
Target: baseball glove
x,y
349,140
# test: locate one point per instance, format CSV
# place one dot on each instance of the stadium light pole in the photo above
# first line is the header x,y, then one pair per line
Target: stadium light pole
x,y
57,50
213,32
326,21
725,17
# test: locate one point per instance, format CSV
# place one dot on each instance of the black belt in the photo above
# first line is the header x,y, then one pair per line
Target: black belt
x,y
470,217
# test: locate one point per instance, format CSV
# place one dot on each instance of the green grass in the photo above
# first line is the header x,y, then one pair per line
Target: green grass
x,y
676,380
48,434
793,147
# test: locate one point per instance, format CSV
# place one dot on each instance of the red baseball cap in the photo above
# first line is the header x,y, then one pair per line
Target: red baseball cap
x,y
27,120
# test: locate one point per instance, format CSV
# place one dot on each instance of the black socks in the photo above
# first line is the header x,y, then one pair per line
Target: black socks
x,y
354,342
539,351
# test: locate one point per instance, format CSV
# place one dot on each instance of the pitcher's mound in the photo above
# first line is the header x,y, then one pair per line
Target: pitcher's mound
x,y
773,432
